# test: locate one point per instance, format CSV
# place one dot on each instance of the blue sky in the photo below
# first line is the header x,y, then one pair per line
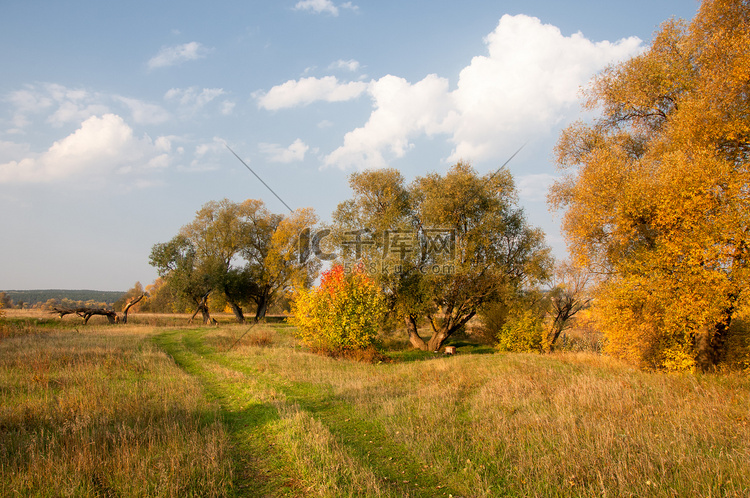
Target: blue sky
x,y
114,115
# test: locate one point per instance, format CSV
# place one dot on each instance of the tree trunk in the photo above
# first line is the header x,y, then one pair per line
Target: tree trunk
x,y
127,308
448,326
263,301
712,347
237,312
206,315
202,308
414,338
558,325
437,339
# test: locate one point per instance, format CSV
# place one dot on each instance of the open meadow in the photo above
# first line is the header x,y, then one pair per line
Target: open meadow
x,y
161,408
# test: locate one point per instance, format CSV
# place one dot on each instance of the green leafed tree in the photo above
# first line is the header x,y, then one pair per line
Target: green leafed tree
x,y
442,247
656,192
240,250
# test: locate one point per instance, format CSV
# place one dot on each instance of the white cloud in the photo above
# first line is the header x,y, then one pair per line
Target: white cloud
x,y
192,97
72,112
323,6
402,110
62,105
207,154
278,154
29,100
307,90
350,65
143,112
527,83
227,107
101,145
11,151
170,56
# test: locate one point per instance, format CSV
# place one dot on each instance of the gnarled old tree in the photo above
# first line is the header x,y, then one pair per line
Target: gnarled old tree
x,y
240,250
442,247
657,190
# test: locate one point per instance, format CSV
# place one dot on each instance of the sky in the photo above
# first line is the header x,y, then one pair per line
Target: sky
x,y
115,117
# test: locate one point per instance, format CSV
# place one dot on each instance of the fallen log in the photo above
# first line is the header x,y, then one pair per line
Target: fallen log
x,y
86,312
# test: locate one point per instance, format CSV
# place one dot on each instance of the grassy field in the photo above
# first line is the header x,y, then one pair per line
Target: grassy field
x,y
161,409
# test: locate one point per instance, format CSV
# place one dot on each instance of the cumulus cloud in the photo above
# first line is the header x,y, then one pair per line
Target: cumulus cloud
x,y
101,144
527,82
323,6
278,154
307,90
170,56
402,110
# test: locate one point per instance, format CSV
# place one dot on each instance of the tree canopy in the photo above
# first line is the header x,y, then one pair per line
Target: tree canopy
x,y
443,246
239,250
657,190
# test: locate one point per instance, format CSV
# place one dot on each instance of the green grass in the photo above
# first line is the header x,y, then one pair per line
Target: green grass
x,y
145,411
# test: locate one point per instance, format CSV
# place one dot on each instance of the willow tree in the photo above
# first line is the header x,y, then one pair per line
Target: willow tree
x,y
657,190
240,250
442,247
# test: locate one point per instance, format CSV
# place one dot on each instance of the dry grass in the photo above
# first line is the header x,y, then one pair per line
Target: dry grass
x,y
104,413
570,424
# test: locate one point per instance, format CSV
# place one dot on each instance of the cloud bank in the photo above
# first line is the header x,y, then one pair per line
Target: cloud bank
x,y
101,145
526,83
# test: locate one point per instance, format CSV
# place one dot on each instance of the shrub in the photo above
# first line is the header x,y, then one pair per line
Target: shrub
x,y
341,315
522,332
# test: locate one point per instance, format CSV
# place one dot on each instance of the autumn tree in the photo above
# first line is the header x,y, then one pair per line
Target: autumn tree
x,y
657,190
159,298
190,279
442,247
342,314
5,300
240,250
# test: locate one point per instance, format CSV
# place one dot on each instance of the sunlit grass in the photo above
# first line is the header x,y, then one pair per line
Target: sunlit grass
x,y
571,424
103,412
245,411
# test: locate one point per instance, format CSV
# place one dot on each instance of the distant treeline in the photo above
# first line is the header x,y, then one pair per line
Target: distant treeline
x,y
37,297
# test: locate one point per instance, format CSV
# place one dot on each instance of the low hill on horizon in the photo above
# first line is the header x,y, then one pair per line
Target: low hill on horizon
x,y
32,297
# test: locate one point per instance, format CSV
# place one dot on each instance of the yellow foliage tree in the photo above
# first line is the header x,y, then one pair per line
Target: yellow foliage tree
x,y
657,190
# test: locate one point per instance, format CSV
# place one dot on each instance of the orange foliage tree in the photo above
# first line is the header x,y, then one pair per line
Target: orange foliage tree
x,y
342,314
657,190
